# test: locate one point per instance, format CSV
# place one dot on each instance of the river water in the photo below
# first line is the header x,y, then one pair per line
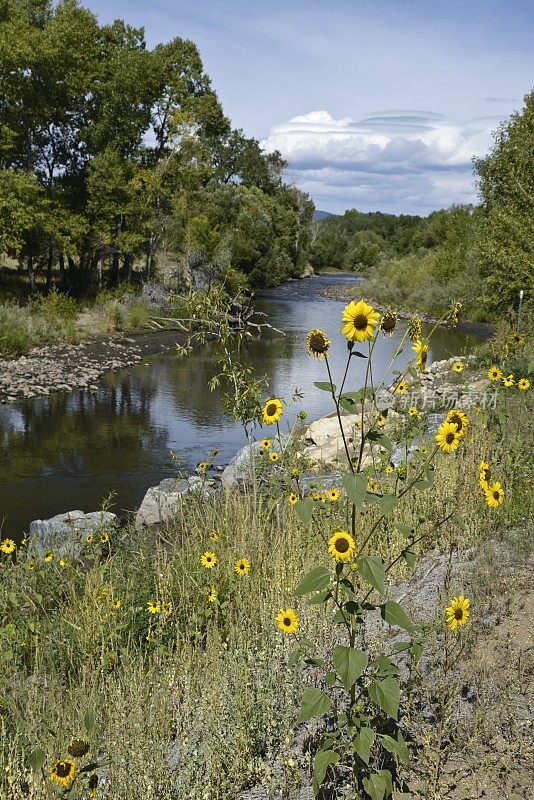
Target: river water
x,y
69,451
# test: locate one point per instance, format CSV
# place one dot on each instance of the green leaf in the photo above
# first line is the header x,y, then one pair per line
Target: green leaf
x,y
394,614
397,747
36,760
323,760
459,520
325,386
314,581
350,664
358,354
409,556
406,530
304,509
363,742
347,405
314,704
330,678
355,486
294,658
320,597
372,570
375,785
388,503
386,694
420,486
89,721
381,438
399,647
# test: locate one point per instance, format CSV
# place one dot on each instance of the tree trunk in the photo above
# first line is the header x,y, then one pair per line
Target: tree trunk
x,y
127,268
115,270
49,268
62,273
31,273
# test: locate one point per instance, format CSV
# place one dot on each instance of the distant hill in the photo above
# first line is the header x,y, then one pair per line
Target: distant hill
x,y
318,215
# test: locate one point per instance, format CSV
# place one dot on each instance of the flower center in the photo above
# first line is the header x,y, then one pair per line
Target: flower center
x,y
496,495
342,545
287,622
318,343
449,438
458,613
360,322
271,409
63,769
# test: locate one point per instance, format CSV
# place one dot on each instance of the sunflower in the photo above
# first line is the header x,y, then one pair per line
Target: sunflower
x,y
117,603
153,607
494,374
271,411
214,536
292,499
212,595
360,320
274,456
48,556
208,559
508,382
459,418
380,421
30,566
62,563
494,495
414,412
423,450
485,474
454,314
320,497
89,538
389,469
265,444
341,546
78,748
458,367
242,566
63,772
167,608
415,328
421,351
8,546
287,621
104,537
333,495
93,784
518,339
202,467
388,323
317,343
372,486
401,387
457,612
523,384
448,437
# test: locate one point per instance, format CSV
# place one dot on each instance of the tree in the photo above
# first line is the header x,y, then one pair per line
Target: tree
x,y
506,186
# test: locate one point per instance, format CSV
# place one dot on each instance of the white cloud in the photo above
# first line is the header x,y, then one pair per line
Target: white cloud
x,y
402,161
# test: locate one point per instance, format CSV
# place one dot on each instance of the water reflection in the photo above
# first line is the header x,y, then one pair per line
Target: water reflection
x,y
69,451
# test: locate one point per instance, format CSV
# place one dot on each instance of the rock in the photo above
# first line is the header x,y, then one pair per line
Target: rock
x,y
308,271
161,502
240,467
65,534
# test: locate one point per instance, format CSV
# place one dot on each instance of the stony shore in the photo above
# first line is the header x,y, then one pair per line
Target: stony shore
x,y
65,367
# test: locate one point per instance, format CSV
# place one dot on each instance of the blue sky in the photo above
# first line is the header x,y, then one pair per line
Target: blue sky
x,y
376,104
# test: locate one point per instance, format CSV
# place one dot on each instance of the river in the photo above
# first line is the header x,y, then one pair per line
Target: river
x,y
69,451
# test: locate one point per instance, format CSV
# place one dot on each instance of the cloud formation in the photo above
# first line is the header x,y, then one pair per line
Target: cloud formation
x,y
394,160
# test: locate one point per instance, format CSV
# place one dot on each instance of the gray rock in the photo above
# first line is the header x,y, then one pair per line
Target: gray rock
x,y
163,501
65,534
245,463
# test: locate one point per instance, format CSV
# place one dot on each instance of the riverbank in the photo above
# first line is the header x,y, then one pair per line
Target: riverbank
x,y
66,367
346,292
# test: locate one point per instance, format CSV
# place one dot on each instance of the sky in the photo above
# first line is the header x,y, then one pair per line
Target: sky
x,y
378,105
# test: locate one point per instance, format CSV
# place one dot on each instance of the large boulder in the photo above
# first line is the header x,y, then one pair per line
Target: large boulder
x,y
247,463
163,501
65,534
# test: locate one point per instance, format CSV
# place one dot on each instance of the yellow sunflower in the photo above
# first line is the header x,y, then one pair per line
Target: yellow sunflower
x,y
292,499
242,566
8,546
271,411
167,608
208,559
320,497
421,351
401,387
48,556
360,320
457,612
287,621
62,563
153,607
341,546
104,537
265,444
380,421
508,382
63,772
117,603
485,474
523,384
494,374
89,538
274,456
388,323
388,469
459,418
202,467
518,339
333,495
458,367
317,343
494,495
414,412
372,486
448,437
212,595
